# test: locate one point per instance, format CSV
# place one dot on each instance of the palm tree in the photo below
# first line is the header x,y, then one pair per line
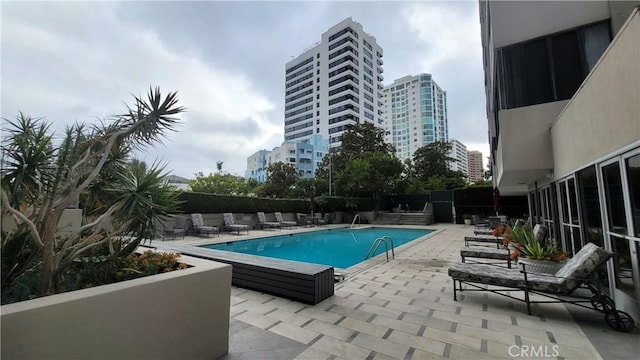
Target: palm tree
x,y
122,202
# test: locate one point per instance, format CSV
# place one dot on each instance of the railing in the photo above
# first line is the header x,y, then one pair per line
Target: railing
x,y
357,217
387,241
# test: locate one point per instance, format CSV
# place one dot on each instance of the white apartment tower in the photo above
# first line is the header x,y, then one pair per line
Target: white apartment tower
x,y
459,152
415,109
335,83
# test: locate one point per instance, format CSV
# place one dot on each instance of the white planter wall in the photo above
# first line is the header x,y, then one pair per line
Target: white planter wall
x,y
181,314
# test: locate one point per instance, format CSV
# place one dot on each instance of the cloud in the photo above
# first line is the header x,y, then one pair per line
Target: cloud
x,y
61,70
71,61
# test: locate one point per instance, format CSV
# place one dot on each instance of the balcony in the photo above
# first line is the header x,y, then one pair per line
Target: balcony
x,y
524,152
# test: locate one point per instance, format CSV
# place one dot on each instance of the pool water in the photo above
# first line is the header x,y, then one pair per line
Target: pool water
x,y
341,248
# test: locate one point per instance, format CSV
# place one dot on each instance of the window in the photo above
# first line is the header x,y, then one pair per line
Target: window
x,y
549,68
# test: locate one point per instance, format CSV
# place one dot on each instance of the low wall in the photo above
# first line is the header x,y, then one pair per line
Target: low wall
x,y
180,314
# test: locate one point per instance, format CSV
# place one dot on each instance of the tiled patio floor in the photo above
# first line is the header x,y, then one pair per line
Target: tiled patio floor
x,y
404,309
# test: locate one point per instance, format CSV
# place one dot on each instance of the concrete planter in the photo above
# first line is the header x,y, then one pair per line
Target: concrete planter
x,y
180,314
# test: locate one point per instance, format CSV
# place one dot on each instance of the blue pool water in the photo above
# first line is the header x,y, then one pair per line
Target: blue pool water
x,y
341,248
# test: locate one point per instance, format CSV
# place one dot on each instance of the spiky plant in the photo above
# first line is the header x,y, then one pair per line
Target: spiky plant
x,y
41,179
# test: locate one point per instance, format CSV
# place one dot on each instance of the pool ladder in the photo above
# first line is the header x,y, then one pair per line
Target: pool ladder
x,y
387,241
353,223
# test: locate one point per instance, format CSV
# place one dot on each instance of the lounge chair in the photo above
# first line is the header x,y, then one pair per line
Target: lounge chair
x,y
283,223
475,219
264,224
200,228
502,252
303,220
179,227
230,224
581,271
325,220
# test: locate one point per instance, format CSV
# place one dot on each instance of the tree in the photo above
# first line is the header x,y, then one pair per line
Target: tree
x,y
373,172
364,164
432,160
280,179
40,180
224,184
357,140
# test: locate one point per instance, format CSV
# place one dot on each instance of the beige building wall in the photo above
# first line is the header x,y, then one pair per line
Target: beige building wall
x,y
610,95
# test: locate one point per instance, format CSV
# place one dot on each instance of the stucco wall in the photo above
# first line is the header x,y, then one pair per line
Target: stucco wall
x,y
525,142
604,115
181,314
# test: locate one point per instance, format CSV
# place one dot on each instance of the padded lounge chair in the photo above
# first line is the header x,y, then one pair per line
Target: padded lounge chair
x,y
303,220
324,220
179,227
200,228
578,272
283,223
264,224
230,224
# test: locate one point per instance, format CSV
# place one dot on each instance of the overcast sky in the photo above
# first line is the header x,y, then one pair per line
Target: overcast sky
x,y
80,61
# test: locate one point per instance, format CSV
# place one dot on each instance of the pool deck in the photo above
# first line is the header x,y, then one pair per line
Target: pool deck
x,y
404,309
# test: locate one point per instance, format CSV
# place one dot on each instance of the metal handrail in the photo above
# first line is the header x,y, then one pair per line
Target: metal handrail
x,y
376,244
354,220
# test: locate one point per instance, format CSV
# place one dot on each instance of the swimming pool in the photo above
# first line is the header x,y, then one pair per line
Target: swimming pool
x,y
341,248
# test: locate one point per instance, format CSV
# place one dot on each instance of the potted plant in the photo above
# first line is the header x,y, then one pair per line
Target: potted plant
x,y
467,219
534,252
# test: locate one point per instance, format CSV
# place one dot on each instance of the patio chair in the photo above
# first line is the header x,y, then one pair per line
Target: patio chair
x,y
502,252
230,224
200,228
325,220
179,227
303,220
264,224
579,272
481,223
283,223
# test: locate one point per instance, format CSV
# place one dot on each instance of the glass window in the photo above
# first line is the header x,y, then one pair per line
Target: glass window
x,y
615,200
563,203
537,77
590,205
566,64
633,180
549,68
596,38
622,264
573,202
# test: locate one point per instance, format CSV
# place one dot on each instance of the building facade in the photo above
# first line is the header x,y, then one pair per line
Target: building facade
x,y
563,109
476,168
335,83
415,110
305,156
459,152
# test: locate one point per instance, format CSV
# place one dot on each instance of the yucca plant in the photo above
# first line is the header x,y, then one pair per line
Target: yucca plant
x,y
122,201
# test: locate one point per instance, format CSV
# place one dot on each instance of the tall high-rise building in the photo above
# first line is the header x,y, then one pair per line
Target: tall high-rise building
x,y
476,170
562,92
459,153
415,110
335,83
